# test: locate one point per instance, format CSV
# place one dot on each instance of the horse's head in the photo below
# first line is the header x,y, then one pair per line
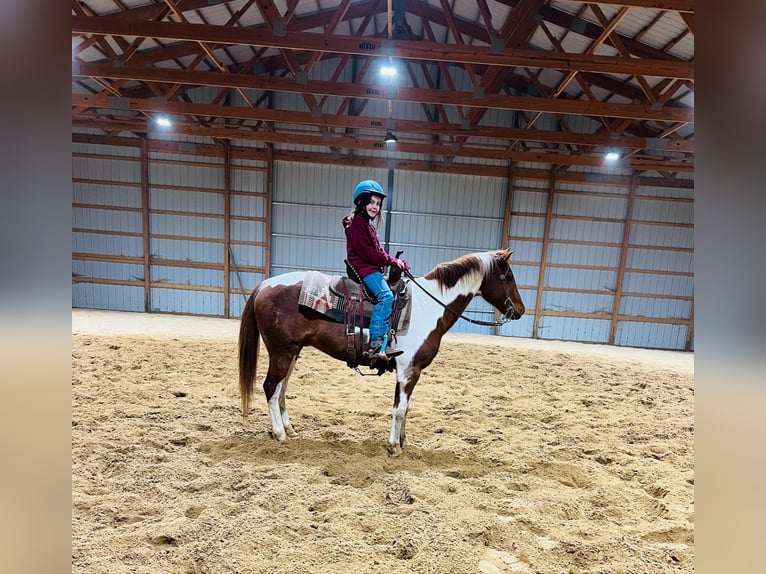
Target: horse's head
x,y
499,287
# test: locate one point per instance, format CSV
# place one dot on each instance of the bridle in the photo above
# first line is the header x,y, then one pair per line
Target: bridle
x,y
508,315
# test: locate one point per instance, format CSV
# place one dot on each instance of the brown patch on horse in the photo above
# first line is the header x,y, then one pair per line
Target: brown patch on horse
x,y
449,274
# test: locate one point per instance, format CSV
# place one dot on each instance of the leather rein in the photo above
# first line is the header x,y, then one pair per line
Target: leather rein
x,y
507,316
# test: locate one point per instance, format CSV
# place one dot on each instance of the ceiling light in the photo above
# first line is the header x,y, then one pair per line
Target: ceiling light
x,y
388,70
390,137
612,156
162,121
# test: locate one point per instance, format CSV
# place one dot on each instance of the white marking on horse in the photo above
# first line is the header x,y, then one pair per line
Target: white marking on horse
x,y
277,426
287,279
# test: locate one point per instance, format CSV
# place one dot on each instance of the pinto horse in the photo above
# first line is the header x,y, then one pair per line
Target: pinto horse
x,y
273,314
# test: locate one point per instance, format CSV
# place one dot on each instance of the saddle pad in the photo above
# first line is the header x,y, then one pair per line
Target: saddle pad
x,y
315,293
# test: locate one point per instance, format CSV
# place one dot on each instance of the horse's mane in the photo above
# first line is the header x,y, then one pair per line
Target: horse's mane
x,y
465,267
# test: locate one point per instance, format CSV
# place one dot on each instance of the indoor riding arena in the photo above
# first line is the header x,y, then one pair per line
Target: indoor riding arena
x,y
537,166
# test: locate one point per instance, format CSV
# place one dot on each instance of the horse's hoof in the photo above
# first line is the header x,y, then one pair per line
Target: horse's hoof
x,y
394,450
291,431
280,437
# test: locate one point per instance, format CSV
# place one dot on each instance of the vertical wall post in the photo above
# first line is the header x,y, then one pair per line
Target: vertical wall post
x,y
269,194
145,223
506,223
389,201
544,255
226,227
623,258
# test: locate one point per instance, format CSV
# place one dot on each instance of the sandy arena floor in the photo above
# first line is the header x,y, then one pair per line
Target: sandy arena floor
x,y
525,456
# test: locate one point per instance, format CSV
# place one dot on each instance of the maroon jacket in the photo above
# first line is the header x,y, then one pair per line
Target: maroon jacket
x,y
363,248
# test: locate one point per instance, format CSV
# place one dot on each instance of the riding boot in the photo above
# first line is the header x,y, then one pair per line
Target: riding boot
x,y
378,350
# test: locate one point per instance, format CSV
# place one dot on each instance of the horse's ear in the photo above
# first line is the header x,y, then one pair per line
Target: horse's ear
x,y
505,255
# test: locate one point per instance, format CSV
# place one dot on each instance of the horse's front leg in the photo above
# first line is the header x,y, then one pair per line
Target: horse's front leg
x,y
405,383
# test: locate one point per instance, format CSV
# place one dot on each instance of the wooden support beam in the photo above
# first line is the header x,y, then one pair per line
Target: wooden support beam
x,y
226,228
145,224
623,258
260,154
269,195
379,47
445,128
553,172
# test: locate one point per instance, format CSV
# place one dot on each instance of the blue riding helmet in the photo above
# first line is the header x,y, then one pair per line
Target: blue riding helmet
x,y
368,186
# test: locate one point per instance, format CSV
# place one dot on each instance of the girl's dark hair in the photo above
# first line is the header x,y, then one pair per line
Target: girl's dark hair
x,y
361,205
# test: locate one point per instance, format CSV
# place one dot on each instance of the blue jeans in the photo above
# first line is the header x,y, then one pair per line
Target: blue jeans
x,y
379,320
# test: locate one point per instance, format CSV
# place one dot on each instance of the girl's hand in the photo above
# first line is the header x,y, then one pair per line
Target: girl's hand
x,y
402,264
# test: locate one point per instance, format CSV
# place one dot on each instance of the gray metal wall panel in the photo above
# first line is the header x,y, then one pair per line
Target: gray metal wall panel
x,y
190,201
653,307
108,270
574,329
467,235
446,194
106,169
663,211
107,244
177,275
658,260
592,279
248,205
247,230
529,227
651,335
587,206
185,226
108,196
592,255
642,234
521,327
190,302
107,220
577,302
248,255
181,250
204,177
111,297
305,253
653,284
525,250
576,230
313,199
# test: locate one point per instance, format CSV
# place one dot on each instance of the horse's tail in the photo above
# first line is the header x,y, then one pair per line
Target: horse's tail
x,y
249,338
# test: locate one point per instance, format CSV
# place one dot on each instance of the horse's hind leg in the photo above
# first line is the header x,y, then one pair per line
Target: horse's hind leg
x,y
289,430
280,367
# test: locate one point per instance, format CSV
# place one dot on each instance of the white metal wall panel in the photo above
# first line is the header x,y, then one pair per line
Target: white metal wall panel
x,y
108,297
574,329
187,302
435,218
248,226
591,279
653,335
586,206
106,220
577,230
659,260
310,199
592,255
99,244
654,284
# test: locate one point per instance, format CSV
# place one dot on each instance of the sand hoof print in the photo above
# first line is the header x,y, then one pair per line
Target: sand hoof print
x,y
499,562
